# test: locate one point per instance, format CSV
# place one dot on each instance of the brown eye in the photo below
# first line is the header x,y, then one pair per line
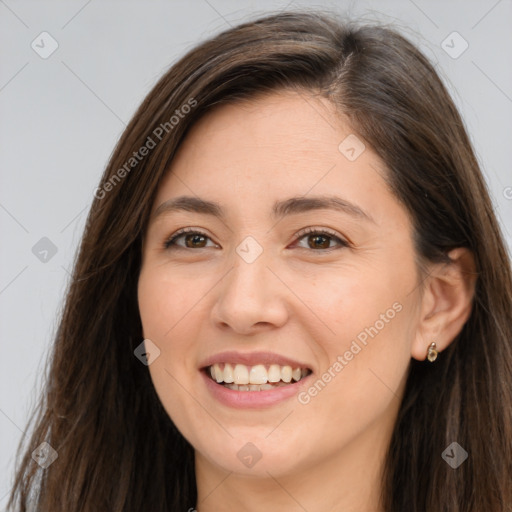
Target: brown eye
x,y
196,240
193,240
320,240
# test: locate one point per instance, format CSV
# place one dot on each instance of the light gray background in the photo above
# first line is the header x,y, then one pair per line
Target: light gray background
x,y
60,118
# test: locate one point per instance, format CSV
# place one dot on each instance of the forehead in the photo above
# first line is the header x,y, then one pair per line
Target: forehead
x,y
287,124
249,155
288,137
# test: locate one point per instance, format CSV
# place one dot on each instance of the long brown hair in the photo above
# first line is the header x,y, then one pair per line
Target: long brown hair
x,y
117,448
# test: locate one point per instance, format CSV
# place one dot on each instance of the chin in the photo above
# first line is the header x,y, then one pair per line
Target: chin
x,y
253,452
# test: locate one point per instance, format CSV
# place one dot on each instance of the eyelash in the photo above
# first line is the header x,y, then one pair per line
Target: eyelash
x,y
170,243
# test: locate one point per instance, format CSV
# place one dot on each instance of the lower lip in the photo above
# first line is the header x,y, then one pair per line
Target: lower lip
x,y
252,399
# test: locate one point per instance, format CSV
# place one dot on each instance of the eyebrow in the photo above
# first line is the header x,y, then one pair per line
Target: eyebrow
x,y
280,209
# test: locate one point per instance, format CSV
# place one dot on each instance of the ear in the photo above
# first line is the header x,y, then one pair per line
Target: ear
x,y
446,302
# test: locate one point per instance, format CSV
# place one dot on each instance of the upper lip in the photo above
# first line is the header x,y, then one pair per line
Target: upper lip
x,y
252,359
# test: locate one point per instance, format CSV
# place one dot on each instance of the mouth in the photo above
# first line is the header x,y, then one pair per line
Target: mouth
x,y
259,377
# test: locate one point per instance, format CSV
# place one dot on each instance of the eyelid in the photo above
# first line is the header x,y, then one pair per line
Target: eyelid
x,y
343,241
183,231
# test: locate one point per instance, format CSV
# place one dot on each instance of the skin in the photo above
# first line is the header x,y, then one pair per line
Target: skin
x,y
301,299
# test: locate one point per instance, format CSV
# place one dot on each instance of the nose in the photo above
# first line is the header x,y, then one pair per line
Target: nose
x,y
250,298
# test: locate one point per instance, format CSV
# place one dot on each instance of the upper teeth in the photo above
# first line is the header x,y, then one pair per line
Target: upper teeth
x,y
259,374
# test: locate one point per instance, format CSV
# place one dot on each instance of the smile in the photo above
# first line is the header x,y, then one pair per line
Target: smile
x,y
259,377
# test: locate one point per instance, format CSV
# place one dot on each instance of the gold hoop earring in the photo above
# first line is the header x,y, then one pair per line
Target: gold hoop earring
x,y
432,352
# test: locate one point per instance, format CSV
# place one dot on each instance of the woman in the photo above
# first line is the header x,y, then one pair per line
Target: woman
x,y
291,292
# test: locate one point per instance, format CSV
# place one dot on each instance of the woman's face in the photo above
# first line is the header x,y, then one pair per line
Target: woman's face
x,y
298,265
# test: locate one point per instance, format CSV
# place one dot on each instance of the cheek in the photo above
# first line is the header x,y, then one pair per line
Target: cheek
x,y
363,340
165,300
363,378
167,306
356,303
165,311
